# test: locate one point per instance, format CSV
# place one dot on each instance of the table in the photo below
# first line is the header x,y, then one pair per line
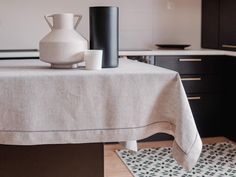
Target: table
x,y
40,105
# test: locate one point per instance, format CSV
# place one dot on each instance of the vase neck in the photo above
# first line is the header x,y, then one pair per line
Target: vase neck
x,y
63,21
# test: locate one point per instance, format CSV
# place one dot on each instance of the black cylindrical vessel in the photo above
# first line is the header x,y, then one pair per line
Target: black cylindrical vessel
x,y
104,33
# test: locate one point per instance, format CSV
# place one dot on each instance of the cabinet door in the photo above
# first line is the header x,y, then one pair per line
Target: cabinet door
x,y
229,106
210,23
228,24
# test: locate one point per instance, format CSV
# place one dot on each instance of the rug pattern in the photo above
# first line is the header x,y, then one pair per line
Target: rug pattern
x,y
216,160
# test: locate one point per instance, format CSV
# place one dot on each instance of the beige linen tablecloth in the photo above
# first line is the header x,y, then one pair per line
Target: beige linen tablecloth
x,y
40,105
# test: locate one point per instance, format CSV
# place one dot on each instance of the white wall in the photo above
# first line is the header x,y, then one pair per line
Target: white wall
x,y
143,23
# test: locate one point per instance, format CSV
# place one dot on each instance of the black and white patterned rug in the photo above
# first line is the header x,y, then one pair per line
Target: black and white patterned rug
x,y
216,160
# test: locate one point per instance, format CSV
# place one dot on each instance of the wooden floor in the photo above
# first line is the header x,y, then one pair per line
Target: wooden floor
x,y
114,167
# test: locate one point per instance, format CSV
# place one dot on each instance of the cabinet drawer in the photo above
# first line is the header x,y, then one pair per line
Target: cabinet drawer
x,y
190,64
206,111
201,83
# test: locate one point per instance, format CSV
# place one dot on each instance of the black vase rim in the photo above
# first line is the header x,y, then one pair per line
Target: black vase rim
x,y
104,7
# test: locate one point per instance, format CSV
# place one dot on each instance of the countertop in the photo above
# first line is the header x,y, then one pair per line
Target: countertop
x,y
178,52
28,54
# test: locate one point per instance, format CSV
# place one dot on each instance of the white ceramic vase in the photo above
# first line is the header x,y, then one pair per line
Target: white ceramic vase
x,y
63,47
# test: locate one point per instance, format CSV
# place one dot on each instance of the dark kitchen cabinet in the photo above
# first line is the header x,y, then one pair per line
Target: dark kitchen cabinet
x,y
219,24
210,88
210,23
229,97
206,111
202,79
227,35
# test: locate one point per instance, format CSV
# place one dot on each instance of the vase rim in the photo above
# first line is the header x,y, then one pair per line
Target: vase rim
x,y
103,7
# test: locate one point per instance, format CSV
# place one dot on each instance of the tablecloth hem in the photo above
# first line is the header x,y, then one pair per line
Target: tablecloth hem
x,y
188,160
37,138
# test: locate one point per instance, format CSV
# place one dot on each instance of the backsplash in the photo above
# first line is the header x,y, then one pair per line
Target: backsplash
x,y
143,23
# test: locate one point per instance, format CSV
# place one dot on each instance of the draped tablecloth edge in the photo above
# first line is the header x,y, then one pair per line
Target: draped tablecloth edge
x,y
188,160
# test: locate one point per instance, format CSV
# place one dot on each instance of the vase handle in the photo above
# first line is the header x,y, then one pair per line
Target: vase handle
x,y
47,20
78,20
